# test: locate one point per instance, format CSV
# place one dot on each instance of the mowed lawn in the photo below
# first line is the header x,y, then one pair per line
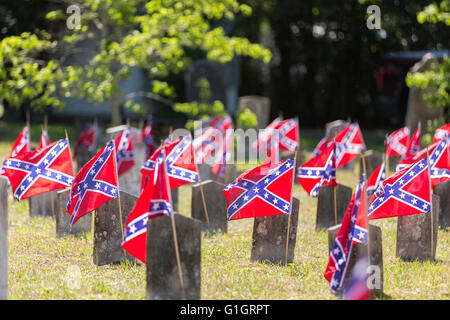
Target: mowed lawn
x,y
42,266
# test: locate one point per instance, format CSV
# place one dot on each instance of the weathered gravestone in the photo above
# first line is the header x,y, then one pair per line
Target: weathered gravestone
x,y
83,155
269,237
84,224
43,204
108,230
204,171
372,160
325,205
414,235
359,251
223,82
215,204
334,127
417,110
3,238
174,195
443,191
163,280
230,174
130,181
260,106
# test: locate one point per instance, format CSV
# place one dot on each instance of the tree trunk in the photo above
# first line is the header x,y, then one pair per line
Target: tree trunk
x,y
114,103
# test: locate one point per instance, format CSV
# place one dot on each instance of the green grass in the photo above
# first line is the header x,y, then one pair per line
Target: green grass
x,y
40,264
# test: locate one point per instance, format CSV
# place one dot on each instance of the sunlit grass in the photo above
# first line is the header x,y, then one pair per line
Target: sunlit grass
x,y
40,263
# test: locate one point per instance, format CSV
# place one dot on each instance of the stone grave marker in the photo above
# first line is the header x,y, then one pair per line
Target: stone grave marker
x,y
373,160
260,106
3,238
414,235
43,204
325,205
108,230
360,250
269,237
162,270
332,128
230,174
130,181
443,191
83,155
204,171
84,224
215,204
417,110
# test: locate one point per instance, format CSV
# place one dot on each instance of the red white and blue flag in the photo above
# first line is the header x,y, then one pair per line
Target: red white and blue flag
x,y
288,134
321,147
262,191
376,178
39,171
20,146
318,171
397,143
148,138
45,140
223,157
94,184
180,163
87,139
265,136
353,230
349,144
404,193
414,143
211,139
441,132
124,153
439,160
154,201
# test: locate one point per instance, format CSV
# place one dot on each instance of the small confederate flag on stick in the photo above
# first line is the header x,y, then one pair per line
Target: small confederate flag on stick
x,y
263,191
406,192
94,184
124,151
39,171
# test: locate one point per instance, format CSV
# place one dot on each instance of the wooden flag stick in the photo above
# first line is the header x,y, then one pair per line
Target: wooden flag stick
x,y
174,231
71,164
203,200
45,122
290,213
431,205
118,198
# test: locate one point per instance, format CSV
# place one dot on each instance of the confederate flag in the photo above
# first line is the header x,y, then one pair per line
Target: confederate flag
x,y
321,147
376,178
406,192
318,171
148,138
20,146
349,144
39,171
87,139
441,132
94,184
266,135
154,201
397,142
222,158
414,143
353,230
180,164
45,140
262,191
124,153
210,139
288,134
